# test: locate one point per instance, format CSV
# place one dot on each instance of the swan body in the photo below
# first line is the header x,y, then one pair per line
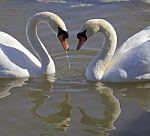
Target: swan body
x,y
16,61
129,63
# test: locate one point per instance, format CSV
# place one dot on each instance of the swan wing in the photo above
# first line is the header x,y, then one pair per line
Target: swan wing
x,y
15,59
134,41
131,65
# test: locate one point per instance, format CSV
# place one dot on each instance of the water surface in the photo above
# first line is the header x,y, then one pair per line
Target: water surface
x,y
71,105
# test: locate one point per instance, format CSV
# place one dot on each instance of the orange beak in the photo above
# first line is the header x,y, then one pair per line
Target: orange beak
x,y
64,42
80,42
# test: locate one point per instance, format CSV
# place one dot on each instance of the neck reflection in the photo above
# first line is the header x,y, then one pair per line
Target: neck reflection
x,y
60,119
111,112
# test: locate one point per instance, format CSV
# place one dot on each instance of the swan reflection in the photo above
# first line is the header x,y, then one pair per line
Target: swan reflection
x,y
59,119
111,112
43,82
7,84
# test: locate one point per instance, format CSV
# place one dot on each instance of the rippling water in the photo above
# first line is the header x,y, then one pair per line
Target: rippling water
x,y
70,105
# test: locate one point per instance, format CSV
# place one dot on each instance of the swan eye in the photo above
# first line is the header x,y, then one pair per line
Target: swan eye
x,y
82,34
62,32
66,35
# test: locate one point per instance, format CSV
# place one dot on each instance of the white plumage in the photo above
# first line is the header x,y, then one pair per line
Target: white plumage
x,y
129,63
17,61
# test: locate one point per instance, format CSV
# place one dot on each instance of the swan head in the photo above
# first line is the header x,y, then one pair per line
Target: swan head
x,y
55,23
59,28
63,36
89,28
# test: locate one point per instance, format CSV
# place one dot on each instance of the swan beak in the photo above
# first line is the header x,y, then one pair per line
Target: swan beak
x,y
80,42
64,42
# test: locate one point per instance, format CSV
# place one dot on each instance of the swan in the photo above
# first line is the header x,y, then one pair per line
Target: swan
x,y
129,63
16,61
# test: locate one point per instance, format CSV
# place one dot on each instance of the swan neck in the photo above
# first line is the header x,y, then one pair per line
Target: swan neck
x,y
37,45
102,60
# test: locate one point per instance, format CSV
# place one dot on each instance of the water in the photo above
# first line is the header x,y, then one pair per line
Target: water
x,y
68,59
70,105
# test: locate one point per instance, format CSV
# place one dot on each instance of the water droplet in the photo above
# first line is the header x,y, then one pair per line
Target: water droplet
x,y
68,59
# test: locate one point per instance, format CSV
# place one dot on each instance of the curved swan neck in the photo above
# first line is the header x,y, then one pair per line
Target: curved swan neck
x,y
100,63
35,42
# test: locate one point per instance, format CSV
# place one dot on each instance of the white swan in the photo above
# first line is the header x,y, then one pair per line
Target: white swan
x,y
17,61
130,62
